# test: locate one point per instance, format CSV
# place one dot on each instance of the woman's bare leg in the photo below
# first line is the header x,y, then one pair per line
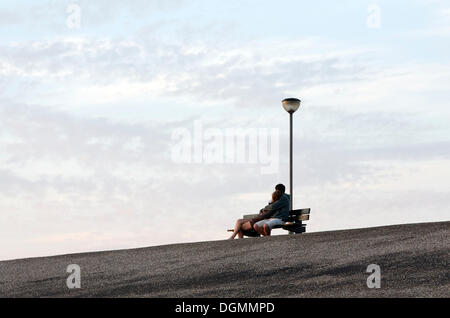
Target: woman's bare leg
x,y
237,228
246,226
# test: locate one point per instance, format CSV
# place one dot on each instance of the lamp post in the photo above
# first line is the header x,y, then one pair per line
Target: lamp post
x,y
291,105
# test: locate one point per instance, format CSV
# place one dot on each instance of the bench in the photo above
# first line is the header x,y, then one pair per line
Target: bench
x,y
294,224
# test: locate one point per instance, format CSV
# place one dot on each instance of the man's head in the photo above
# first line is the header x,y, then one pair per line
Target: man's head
x,y
280,187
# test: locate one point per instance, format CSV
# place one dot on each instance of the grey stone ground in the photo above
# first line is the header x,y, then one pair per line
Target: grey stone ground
x,y
414,262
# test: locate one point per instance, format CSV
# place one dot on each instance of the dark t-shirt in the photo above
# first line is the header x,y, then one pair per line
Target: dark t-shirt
x,y
278,209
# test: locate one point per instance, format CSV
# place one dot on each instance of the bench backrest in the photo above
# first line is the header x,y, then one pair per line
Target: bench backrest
x,y
300,215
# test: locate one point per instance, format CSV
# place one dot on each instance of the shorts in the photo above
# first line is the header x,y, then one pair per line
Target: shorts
x,y
271,223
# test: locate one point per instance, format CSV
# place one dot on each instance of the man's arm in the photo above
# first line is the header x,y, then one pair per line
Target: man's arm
x,y
270,209
259,217
280,204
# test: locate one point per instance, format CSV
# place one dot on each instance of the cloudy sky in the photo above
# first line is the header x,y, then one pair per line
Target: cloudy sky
x,y
100,99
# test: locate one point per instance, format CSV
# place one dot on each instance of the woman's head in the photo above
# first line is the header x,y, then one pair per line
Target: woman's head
x,y
276,195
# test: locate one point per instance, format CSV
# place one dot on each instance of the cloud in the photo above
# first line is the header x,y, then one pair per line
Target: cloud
x,y
440,25
8,18
105,70
74,169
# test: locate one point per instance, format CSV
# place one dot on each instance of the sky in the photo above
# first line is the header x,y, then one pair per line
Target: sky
x,y
142,123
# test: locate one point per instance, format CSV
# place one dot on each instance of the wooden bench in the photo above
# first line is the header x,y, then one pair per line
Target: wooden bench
x,y
294,225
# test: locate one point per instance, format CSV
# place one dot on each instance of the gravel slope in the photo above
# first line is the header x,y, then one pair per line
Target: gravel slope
x,y
414,261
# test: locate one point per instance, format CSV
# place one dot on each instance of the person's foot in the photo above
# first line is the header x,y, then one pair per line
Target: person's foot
x,y
231,238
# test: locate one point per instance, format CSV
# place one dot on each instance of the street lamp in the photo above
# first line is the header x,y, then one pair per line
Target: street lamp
x,y
291,105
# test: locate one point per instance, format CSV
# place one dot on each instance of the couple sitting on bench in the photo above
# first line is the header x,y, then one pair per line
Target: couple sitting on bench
x,y
273,215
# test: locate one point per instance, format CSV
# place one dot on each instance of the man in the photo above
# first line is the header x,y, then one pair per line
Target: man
x,y
274,214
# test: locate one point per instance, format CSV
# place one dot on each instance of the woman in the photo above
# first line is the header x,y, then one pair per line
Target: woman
x,y
247,225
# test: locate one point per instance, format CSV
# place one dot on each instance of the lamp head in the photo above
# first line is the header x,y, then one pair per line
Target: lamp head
x,y
291,104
